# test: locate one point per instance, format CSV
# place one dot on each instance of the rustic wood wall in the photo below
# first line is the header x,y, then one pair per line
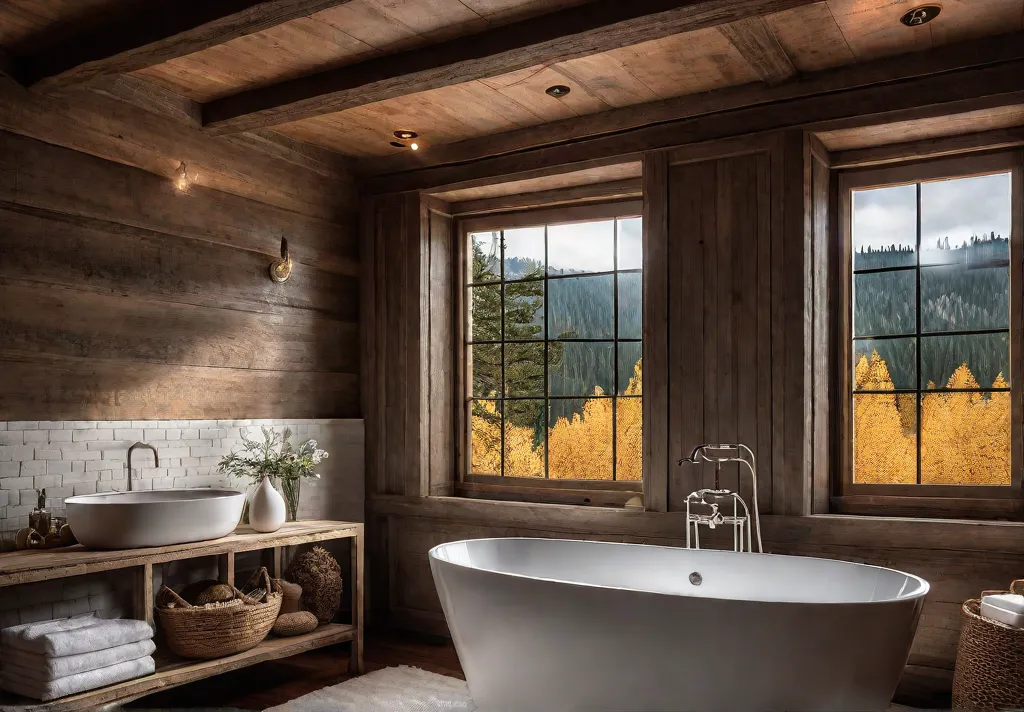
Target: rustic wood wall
x,y
122,298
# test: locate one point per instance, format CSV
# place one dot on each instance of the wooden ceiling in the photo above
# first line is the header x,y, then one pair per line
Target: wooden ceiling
x,y
248,59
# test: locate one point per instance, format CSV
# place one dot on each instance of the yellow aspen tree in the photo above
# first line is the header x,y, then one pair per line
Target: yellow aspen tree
x,y
581,448
884,452
629,427
965,436
486,439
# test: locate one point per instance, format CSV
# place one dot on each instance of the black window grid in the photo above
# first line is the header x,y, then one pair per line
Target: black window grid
x,y
918,334
547,397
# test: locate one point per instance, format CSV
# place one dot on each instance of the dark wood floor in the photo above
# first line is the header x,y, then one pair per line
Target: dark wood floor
x,y
274,683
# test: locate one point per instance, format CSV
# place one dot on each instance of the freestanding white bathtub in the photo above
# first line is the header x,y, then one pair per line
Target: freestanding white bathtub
x,y
544,625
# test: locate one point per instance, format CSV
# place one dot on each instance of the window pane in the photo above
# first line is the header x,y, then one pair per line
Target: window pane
x,y
885,303
885,227
581,307
486,253
965,220
524,369
630,305
631,254
968,361
581,368
885,438
580,439
630,375
958,298
524,310
581,247
524,438
524,252
629,439
884,364
965,439
486,362
486,437
485,313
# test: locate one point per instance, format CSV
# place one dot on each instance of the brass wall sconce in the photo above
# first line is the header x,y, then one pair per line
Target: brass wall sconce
x,y
281,270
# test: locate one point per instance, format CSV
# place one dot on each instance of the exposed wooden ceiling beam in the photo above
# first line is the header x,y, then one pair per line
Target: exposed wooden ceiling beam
x,y
760,47
921,97
10,66
929,148
156,33
991,50
591,28
626,188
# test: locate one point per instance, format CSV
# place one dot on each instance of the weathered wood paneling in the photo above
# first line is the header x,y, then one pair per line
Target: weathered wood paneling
x,y
122,298
720,308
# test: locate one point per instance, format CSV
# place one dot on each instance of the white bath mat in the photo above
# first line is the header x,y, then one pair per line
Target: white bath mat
x,y
403,689
395,689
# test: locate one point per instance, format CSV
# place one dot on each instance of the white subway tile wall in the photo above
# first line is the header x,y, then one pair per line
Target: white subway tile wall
x,y
84,457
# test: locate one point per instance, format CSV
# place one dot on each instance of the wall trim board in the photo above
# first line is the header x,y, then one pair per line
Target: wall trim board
x,y
985,537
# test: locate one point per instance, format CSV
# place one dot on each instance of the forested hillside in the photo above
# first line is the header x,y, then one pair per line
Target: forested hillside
x,y
965,437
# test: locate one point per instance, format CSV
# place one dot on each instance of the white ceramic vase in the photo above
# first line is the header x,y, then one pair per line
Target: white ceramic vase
x,y
266,508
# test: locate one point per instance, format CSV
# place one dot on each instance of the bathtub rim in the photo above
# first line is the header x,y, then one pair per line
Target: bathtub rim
x,y
922,589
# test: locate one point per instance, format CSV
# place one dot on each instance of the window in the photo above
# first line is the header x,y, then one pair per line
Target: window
x,y
929,337
552,337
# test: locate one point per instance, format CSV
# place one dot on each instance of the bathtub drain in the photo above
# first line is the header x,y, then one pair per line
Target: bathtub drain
x,y
696,579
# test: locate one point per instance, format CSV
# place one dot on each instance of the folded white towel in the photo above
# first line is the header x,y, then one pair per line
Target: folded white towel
x,y
81,682
8,635
73,639
44,667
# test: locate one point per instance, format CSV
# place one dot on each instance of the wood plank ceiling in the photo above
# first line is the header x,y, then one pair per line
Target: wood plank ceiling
x,y
807,37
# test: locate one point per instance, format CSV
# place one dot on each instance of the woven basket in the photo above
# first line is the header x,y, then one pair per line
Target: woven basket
x,y
989,672
216,630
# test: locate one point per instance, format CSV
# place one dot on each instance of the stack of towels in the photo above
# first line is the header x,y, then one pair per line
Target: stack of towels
x,y
63,657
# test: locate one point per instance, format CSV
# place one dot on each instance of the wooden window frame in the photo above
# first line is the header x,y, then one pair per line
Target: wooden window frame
x,y
947,501
599,493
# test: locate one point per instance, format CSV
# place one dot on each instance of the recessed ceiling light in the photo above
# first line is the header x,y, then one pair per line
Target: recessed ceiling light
x,y
396,144
414,146
921,15
557,91
405,135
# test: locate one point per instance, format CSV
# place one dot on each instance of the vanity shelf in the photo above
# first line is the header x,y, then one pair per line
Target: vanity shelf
x,y
29,566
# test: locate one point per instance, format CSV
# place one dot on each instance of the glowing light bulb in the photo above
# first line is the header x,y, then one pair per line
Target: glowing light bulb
x,y
414,146
182,182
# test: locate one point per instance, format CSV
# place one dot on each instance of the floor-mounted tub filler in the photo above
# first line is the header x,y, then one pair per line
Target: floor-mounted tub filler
x,y
543,625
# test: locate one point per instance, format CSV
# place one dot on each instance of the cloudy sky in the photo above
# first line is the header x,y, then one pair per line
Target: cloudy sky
x,y
956,209
579,247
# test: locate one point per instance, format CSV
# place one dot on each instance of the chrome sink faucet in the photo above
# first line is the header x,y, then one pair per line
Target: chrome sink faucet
x,y
156,459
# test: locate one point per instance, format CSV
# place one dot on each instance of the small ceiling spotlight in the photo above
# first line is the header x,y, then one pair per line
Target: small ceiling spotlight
x,y
557,91
414,146
405,135
921,15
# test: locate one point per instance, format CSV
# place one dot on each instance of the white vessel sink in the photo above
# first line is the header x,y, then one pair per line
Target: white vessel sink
x,y
129,520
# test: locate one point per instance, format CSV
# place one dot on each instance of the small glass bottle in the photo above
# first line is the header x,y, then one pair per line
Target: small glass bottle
x,y
39,518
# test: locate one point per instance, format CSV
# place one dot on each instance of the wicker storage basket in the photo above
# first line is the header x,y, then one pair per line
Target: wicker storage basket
x,y
204,632
989,672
